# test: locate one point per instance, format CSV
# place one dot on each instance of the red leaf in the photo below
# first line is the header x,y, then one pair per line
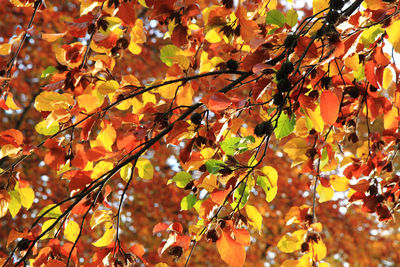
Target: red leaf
x,y
370,73
178,37
329,107
361,186
384,213
219,102
127,13
179,128
302,43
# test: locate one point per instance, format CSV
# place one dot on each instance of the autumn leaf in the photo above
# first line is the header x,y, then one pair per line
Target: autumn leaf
x,y
231,252
329,107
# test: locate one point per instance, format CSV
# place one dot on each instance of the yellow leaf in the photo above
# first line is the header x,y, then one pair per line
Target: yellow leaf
x,y
316,118
209,183
10,102
126,172
46,225
148,97
387,78
390,119
296,149
89,102
106,137
301,127
107,87
161,264
362,151
318,250
325,193
9,150
255,218
213,36
145,169
168,91
26,195
319,5
290,243
5,49
101,168
71,231
107,237
323,264
15,203
393,32
48,101
271,174
137,37
339,183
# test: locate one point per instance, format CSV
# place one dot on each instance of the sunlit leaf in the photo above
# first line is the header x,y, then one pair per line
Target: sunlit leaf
x,y
285,125
43,128
255,218
145,169
325,193
71,231
275,17
291,242
107,237
188,202
329,107
231,252
182,179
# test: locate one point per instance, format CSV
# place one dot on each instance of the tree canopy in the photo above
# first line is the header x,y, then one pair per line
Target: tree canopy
x,y
199,133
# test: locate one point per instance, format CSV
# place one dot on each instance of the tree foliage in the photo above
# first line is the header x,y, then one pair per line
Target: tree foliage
x,y
183,132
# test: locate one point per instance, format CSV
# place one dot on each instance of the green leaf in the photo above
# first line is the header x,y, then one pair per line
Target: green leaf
x,y
230,145
275,17
291,17
236,144
285,125
54,213
47,72
182,179
241,194
42,128
370,35
213,165
188,202
15,203
168,53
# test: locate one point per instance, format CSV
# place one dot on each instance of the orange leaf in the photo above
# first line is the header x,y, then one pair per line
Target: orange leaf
x,y
51,37
219,102
329,107
218,196
231,251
